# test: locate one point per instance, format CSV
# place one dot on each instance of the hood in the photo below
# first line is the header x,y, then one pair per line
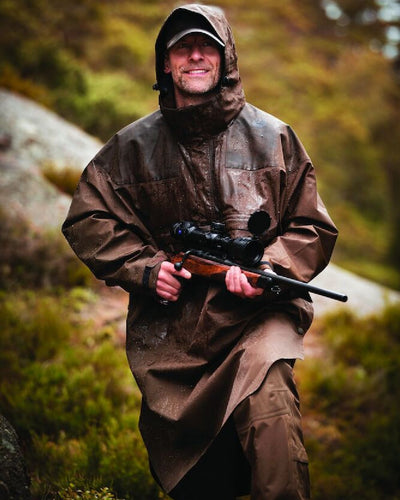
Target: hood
x,y
213,116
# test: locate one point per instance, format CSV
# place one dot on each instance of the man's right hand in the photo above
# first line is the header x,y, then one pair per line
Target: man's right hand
x,y
168,287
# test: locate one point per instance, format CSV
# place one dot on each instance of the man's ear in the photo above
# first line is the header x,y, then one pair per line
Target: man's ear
x,y
167,68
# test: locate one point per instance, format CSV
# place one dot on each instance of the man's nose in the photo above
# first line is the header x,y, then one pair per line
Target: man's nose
x,y
196,53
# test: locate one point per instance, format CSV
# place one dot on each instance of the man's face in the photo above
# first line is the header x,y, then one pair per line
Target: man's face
x,y
194,63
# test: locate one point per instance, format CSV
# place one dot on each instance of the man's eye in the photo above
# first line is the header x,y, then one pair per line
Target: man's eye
x,y
210,44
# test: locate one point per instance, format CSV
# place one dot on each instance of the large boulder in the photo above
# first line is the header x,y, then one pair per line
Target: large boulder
x,y
364,296
32,136
14,481
38,135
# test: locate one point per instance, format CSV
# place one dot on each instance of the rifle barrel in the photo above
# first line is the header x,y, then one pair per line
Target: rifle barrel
x,y
275,278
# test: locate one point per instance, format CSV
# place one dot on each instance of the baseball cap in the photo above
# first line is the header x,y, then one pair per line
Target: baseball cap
x,y
188,31
182,23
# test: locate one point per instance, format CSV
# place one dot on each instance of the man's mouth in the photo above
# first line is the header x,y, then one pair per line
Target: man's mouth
x,y
196,71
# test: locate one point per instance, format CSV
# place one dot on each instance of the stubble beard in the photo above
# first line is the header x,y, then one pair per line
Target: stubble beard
x,y
190,91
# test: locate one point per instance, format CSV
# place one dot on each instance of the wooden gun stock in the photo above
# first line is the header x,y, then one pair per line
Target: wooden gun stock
x,y
216,269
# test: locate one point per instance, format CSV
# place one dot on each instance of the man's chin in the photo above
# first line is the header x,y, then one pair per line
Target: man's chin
x,y
193,92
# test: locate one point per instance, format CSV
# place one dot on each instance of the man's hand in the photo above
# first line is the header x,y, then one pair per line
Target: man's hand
x,y
168,287
236,282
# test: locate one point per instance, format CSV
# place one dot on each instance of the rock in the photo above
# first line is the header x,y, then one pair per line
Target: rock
x,y
14,481
30,137
364,296
37,135
27,196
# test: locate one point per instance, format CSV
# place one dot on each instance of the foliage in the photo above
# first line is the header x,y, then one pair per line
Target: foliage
x,y
351,397
31,259
65,179
71,493
97,110
70,56
68,392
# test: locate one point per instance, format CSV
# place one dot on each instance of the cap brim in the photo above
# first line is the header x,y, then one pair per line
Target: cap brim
x,y
183,33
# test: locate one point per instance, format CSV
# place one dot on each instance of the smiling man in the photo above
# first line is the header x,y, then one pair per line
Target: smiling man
x,y
194,62
214,361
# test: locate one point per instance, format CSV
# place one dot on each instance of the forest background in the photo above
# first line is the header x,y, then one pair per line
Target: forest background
x,y
320,66
331,69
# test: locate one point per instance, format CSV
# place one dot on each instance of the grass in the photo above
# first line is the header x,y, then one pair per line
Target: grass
x,y
350,399
32,259
67,390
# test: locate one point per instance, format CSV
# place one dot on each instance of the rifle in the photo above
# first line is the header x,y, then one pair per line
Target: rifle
x,y
211,253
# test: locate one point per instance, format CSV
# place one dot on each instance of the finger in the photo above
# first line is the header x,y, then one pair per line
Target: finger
x,y
167,286
183,273
237,283
233,280
229,279
166,280
169,268
169,281
248,290
163,287
169,291
170,297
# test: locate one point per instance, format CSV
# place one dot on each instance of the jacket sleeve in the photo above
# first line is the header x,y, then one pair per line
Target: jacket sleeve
x,y
307,234
107,234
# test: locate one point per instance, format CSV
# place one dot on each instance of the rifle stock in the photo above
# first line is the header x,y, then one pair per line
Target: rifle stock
x,y
213,268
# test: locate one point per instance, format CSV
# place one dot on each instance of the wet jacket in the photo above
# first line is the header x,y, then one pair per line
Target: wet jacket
x,y
197,359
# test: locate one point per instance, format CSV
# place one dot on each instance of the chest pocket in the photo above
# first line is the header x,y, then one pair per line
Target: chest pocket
x,y
248,191
252,176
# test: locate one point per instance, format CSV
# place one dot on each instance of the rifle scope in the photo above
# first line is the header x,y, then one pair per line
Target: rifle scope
x,y
245,250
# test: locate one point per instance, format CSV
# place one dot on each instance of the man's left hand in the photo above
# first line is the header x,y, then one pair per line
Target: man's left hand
x,y
236,282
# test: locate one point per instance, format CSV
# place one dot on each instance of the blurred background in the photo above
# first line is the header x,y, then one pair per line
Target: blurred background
x,y
331,69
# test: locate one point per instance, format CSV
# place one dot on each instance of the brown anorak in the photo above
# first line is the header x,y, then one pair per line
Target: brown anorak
x,y
195,360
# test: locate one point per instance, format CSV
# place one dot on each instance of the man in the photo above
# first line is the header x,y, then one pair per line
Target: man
x,y
220,411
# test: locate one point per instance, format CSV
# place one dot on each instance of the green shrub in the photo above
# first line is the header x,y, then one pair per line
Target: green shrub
x,y
68,391
11,79
50,65
351,400
36,259
98,111
71,493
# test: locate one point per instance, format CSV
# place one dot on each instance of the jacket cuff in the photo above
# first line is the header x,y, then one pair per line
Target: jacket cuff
x,y
151,271
265,265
